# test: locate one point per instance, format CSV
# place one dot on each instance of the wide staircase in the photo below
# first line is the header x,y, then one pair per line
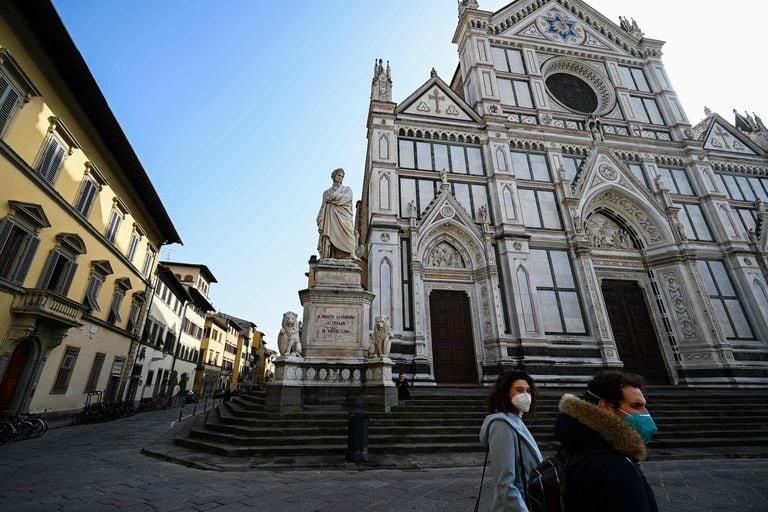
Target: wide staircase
x,y
693,423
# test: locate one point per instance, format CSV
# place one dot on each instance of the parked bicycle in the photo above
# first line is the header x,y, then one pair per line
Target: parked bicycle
x,y
18,427
97,411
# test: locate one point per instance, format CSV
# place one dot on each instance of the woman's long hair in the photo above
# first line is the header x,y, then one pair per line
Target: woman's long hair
x,y
498,399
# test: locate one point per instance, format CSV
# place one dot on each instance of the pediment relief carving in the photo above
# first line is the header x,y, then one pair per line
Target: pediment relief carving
x,y
444,255
602,232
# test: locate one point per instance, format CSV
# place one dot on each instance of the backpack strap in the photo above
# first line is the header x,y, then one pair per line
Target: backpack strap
x,y
480,490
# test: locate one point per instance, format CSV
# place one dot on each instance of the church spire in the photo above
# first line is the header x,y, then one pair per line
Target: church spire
x,y
381,87
467,4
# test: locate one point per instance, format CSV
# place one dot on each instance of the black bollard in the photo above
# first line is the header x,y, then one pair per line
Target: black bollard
x,y
357,436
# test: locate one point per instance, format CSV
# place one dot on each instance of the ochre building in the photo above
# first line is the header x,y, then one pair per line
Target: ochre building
x,y
80,224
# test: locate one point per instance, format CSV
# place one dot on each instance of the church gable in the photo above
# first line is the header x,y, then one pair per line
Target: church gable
x,y
447,235
553,24
435,99
445,207
602,169
723,138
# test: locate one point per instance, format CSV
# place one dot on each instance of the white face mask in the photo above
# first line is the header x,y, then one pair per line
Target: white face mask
x,y
522,402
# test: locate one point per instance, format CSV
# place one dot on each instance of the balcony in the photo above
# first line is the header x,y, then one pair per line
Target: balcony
x,y
47,304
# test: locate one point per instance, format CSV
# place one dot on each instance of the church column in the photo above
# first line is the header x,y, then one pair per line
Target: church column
x,y
597,315
383,243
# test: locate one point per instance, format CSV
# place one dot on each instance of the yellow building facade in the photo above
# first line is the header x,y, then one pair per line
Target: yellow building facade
x,y
212,345
80,224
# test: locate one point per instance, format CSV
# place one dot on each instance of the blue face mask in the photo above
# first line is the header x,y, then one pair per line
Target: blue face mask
x,y
643,423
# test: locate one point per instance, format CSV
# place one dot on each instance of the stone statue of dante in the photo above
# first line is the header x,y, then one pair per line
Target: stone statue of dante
x,y
334,221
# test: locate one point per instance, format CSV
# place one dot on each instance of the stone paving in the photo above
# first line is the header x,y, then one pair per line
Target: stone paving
x,y
100,468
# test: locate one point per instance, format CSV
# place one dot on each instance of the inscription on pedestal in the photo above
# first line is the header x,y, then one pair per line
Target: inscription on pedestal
x,y
335,325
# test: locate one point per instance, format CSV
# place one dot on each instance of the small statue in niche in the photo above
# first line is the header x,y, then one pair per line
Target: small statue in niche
x,y
482,214
412,209
595,127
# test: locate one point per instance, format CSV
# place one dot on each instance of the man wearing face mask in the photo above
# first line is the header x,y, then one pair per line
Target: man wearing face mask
x,y
605,434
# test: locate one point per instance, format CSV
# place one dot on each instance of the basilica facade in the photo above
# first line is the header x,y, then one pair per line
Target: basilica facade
x,y
553,207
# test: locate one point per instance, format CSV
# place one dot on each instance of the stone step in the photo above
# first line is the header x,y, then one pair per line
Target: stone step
x,y
336,450
271,441
447,420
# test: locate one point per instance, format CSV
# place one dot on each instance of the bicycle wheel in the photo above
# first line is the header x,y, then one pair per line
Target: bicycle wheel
x,y
39,427
24,429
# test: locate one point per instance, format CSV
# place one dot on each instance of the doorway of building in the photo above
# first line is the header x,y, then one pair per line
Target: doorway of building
x,y
453,349
13,373
633,330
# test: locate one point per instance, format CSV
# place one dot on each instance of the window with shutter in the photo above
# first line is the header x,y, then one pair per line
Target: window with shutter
x,y
114,224
51,159
92,293
65,370
85,199
148,261
93,378
114,309
9,98
134,243
25,259
11,242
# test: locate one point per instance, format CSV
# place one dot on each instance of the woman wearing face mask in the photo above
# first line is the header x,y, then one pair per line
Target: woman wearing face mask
x,y
604,435
512,451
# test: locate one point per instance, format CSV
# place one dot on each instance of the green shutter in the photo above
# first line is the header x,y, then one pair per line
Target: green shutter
x,y
28,254
66,279
50,266
5,231
8,99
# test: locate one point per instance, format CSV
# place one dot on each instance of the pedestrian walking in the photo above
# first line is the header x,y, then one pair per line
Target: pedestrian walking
x,y
604,433
512,450
403,392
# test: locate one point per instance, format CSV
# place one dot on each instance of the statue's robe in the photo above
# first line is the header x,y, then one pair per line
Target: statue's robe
x,y
335,223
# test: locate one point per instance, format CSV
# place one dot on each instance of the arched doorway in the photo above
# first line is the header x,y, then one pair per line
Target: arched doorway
x,y
13,373
453,351
633,331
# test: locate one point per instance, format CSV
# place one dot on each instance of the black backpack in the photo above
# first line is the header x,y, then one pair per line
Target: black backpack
x,y
545,489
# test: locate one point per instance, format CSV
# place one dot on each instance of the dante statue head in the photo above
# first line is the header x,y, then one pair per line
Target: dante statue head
x,y
337,174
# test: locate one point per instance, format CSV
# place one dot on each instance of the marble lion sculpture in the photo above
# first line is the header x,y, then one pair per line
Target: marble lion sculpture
x,y
380,338
288,339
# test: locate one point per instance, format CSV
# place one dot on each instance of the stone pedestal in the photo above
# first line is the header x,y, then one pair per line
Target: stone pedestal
x,y
334,372
336,312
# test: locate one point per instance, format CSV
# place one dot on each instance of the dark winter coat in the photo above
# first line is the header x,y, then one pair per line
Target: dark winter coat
x,y
608,480
403,393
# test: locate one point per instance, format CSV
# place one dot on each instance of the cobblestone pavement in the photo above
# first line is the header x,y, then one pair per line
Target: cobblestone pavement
x,y
100,468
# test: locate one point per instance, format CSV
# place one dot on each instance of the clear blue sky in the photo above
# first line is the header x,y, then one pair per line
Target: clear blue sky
x,y
240,109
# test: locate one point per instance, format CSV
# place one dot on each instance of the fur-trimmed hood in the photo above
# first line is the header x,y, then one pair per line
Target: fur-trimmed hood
x,y
611,429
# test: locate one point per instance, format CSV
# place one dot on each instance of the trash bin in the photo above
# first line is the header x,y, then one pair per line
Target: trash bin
x,y
357,436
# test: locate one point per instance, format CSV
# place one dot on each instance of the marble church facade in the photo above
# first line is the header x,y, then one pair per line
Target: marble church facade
x,y
553,206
